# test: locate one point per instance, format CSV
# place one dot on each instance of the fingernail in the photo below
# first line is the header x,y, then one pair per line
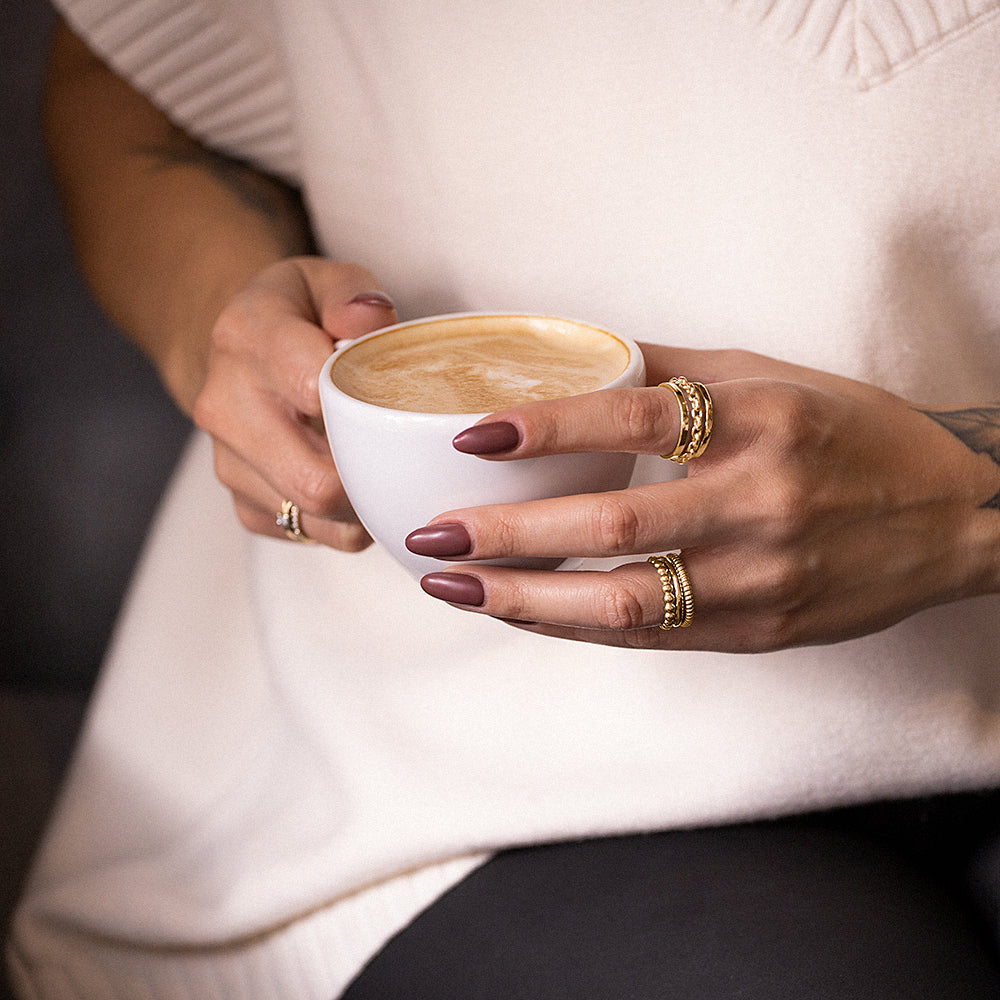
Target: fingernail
x,y
440,540
455,588
373,299
487,439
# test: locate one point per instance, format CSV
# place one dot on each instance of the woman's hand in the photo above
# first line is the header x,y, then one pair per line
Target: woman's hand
x,y
823,509
198,257
260,400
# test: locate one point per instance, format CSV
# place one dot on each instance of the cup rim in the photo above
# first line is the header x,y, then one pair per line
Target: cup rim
x,y
327,385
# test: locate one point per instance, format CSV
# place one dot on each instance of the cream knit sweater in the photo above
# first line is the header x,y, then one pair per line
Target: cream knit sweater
x,y
292,751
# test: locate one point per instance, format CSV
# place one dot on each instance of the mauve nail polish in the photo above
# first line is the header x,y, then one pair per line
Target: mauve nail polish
x,y
440,540
455,588
373,299
487,439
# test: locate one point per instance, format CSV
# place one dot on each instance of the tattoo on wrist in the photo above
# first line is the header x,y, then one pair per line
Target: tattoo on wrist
x,y
978,428
274,202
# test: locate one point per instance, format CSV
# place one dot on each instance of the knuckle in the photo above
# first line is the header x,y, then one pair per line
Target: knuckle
x,y
220,465
643,416
230,324
783,590
518,602
783,506
765,632
618,608
304,386
794,418
500,537
789,504
317,490
614,525
205,412
782,583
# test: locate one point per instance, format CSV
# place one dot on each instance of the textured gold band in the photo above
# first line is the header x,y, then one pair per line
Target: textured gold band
x,y
697,419
678,601
663,570
685,614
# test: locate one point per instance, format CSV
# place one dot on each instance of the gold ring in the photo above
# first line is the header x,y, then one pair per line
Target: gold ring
x,y
289,519
678,601
697,419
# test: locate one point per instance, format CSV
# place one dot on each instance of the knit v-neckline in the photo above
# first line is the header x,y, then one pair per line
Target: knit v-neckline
x,y
866,41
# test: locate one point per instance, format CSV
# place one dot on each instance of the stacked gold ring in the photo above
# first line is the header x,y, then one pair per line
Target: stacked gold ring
x,y
696,419
678,601
289,519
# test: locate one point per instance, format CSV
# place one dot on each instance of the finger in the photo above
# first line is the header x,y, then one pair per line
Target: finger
x,y
347,300
288,363
648,518
626,598
642,421
725,634
319,290
258,506
367,311
624,607
245,481
298,317
289,454
345,536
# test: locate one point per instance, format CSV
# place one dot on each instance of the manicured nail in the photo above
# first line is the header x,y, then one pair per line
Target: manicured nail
x,y
373,299
440,540
487,439
455,588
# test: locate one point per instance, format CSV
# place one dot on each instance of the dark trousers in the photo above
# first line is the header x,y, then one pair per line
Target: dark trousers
x,y
887,901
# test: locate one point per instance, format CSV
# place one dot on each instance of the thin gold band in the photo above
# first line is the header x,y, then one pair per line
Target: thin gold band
x,y
685,614
682,434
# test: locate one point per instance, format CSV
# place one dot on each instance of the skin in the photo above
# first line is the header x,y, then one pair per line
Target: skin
x,y
823,508
206,265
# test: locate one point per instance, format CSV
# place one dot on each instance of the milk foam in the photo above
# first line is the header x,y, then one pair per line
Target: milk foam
x,y
479,364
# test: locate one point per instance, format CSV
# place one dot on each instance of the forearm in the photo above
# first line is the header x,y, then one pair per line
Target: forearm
x,y
165,231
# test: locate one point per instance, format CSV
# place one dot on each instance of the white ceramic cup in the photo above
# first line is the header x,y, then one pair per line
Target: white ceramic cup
x,y
399,468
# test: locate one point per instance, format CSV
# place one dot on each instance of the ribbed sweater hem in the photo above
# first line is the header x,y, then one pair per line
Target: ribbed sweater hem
x,y
312,958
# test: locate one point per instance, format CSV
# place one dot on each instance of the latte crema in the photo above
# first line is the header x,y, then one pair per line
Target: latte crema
x,y
479,364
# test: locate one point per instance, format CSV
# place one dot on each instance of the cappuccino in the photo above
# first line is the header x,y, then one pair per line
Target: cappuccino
x,y
479,364
396,458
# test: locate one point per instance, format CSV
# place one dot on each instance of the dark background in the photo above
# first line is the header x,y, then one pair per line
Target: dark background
x,y
87,441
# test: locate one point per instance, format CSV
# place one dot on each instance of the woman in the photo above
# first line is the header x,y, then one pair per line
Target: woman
x,y
299,766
